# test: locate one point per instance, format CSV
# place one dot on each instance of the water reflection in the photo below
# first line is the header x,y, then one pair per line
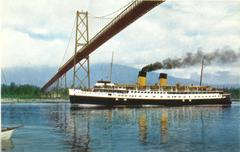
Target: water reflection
x,y
80,137
7,144
164,127
88,127
143,126
132,129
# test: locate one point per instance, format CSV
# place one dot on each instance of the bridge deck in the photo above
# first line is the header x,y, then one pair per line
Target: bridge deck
x,y
134,11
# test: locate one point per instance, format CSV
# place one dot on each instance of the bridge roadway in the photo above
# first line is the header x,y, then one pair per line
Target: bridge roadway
x,y
134,11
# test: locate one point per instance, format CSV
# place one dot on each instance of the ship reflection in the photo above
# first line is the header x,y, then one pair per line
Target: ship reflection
x,y
147,125
164,127
142,125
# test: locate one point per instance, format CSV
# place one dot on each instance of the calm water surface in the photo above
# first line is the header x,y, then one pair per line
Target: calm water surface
x,y
56,127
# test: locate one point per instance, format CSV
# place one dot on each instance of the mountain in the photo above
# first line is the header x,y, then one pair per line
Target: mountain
x,y
120,74
27,75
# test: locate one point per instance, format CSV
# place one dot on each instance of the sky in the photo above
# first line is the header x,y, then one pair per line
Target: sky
x,y
40,32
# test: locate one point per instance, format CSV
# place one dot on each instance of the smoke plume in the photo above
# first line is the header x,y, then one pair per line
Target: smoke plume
x,y
222,56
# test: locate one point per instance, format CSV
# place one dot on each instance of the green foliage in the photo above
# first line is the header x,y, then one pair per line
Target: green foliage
x,y
235,92
20,91
30,92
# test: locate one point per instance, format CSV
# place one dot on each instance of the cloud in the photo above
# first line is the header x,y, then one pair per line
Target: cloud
x,y
20,49
37,32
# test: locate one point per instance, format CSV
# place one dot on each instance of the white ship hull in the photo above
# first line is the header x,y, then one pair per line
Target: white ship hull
x,y
143,98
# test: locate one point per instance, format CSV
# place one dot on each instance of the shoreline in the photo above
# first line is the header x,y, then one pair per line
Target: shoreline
x,y
15,100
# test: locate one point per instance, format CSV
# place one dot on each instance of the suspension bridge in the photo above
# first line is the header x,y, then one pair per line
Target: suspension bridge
x,y
84,47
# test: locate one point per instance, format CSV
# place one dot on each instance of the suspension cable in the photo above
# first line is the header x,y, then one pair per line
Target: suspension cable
x,y
65,52
106,16
3,76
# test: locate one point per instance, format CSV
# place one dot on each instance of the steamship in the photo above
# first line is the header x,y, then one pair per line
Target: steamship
x,y
106,93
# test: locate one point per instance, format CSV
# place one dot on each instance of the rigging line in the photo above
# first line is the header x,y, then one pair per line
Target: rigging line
x,y
109,14
68,43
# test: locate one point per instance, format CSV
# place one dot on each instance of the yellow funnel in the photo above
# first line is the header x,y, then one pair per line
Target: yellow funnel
x,y
142,79
163,79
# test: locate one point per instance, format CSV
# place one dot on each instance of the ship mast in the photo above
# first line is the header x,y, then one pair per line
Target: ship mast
x,y
201,72
111,68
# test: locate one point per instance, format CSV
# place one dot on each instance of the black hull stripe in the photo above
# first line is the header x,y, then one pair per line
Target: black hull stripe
x,y
138,102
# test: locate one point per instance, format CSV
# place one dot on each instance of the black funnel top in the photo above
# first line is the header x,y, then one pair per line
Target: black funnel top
x,y
142,73
163,75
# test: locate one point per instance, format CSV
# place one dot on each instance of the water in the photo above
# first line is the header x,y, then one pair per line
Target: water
x,y
56,127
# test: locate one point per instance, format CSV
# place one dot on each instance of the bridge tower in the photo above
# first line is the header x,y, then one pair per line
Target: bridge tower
x,y
81,70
